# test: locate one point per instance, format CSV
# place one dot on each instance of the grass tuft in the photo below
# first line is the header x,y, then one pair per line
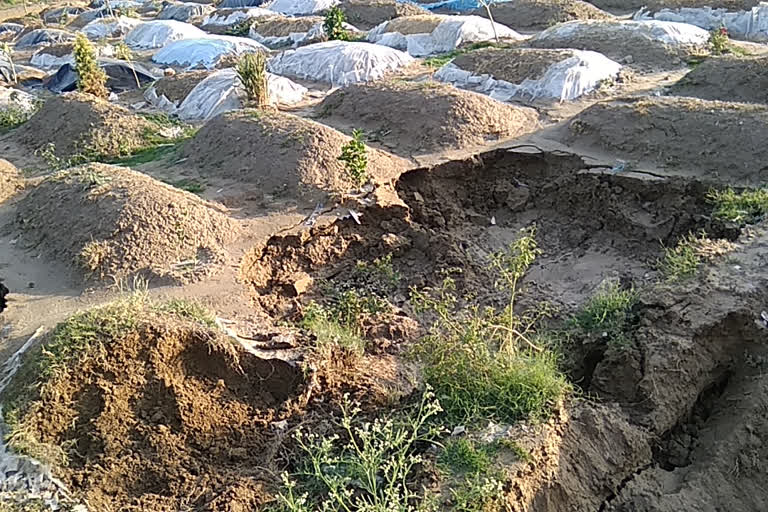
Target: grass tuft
x,y
607,314
465,456
746,207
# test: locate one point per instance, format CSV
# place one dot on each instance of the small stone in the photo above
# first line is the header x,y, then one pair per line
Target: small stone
x,y
169,72
301,283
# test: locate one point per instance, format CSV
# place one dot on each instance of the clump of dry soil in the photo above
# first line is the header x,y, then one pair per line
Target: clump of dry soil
x,y
366,14
280,154
726,78
283,26
425,117
113,222
511,64
731,5
11,180
540,14
719,140
178,87
81,124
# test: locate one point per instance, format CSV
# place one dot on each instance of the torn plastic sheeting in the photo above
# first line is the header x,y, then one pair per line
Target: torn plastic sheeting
x,y
183,11
10,28
226,17
449,34
565,80
339,62
61,14
101,28
749,25
662,31
222,91
296,7
120,76
158,33
44,36
205,52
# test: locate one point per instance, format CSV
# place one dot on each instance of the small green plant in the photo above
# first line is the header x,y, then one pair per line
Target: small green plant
x,y
91,79
684,259
719,42
607,314
190,310
381,271
355,159
465,456
478,493
483,363
521,453
252,72
333,25
746,207
12,117
331,333
188,185
370,470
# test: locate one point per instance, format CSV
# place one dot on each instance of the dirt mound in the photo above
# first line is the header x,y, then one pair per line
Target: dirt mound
x,y
419,24
718,140
731,5
58,50
177,87
366,14
727,78
511,64
81,124
10,180
113,222
540,14
283,26
617,43
425,117
280,154
159,413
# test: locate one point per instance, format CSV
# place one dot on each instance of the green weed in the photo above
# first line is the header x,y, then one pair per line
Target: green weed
x,y
333,24
465,456
355,159
91,79
190,310
607,314
683,260
746,207
478,493
193,186
252,73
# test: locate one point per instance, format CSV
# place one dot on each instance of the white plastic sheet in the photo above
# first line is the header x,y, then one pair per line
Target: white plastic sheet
x,y
662,31
183,11
226,17
101,28
222,92
749,25
565,80
44,60
158,33
315,34
301,6
449,34
204,52
15,99
339,63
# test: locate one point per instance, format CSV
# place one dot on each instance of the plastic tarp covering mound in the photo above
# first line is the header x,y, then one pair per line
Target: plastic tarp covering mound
x,y
339,63
183,11
449,34
237,4
301,6
158,33
204,52
101,28
453,5
45,60
749,25
221,92
121,76
315,34
565,80
673,34
42,36
10,28
16,99
226,17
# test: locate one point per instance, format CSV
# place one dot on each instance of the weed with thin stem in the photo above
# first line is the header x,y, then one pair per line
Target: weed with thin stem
x,y
355,158
682,260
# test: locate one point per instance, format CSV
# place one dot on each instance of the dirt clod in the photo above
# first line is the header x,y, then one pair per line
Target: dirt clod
x,y
10,180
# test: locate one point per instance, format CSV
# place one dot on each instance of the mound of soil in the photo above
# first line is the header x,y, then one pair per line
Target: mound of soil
x,y
529,15
111,221
178,87
731,5
10,180
511,64
283,26
81,124
425,117
280,154
604,37
418,24
726,78
58,50
164,417
722,141
366,14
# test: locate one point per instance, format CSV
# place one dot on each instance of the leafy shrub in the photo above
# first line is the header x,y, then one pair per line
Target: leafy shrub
x,y
333,25
91,79
252,72
719,42
355,159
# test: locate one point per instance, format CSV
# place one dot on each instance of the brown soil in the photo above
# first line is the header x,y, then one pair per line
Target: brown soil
x,y
83,124
727,78
418,24
283,26
11,180
731,5
111,222
425,117
511,64
689,136
647,54
366,14
280,154
527,15
178,87
58,50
